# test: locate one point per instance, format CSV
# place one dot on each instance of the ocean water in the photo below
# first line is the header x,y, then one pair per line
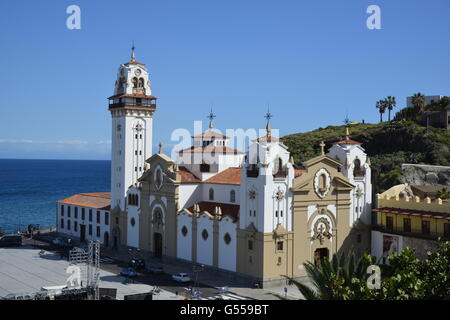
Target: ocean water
x,y
29,189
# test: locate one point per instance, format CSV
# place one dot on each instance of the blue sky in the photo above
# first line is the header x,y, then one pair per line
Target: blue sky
x,y
312,61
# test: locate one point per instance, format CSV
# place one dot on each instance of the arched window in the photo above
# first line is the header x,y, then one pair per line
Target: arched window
x,y
141,83
211,194
232,196
322,182
135,82
136,200
280,164
358,171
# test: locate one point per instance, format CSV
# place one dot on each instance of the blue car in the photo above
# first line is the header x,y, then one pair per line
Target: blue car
x,y
128,272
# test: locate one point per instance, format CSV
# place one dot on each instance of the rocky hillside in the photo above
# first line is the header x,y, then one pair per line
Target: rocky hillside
x,y
389,145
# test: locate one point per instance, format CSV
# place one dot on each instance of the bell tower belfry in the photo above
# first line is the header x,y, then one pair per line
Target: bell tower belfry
x,y
132,107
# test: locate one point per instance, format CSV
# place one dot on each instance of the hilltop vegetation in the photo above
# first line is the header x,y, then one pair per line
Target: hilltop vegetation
x,y
388,144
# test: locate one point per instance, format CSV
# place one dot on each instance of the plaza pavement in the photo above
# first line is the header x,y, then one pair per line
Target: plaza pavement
x,y
23,270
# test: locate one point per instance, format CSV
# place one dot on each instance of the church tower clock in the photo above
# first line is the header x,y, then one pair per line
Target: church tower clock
x,y
132,107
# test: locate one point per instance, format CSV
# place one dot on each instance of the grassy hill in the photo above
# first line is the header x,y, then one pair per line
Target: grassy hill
x,y
388,145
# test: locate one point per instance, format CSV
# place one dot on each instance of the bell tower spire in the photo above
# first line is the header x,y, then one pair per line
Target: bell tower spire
x,y
211,117
268,116
133,57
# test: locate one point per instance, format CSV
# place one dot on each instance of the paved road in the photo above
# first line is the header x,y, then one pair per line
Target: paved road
x,y
164,281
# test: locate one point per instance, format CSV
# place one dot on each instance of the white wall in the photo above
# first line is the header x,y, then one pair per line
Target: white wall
x,y
205,247
184,243
189,194
221,192
377,243
227,252
76,234
133,213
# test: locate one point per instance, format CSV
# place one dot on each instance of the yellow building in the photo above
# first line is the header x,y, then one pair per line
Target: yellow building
x,y
403,219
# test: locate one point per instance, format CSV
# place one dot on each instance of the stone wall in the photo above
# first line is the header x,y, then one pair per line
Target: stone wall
x,y
421,246
417,174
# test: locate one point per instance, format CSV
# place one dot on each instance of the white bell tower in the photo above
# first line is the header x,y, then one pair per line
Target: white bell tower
x,y
132,107
356,167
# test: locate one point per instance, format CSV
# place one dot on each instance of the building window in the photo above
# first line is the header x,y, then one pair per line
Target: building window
x,y
359,238
106,218
83,213
68,224
280,245
281,213
254,213
205,234
98,231
132,222
250,213
98,216
90,215
447,230
62,223
227,238
68,212
407,225
62,210
426,227
389,223
211,194
250,245
75,226
90,229
117,220
184,231
232,196
76,213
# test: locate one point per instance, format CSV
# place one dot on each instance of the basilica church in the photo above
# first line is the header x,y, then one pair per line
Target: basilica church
x,y
248,212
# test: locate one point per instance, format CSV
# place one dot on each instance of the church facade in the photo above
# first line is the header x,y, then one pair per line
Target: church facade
x,y
249,212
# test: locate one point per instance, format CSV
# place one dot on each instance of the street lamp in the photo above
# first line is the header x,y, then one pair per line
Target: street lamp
x,y
196,270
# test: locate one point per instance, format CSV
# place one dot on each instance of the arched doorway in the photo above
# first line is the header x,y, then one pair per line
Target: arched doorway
x,y
158,242
116,238
106,239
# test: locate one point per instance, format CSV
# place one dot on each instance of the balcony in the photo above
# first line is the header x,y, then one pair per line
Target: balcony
x,y
413,233
359,173
281,174
139,104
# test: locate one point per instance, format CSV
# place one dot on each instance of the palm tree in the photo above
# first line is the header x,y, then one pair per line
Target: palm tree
x,y
381,106
337,279
418,100
391,103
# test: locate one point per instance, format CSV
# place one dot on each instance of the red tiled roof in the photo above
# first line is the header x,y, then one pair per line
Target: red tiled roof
x,y
134,95
187,176
347,141
100,200
210,149
268,139
228,176
231,210
425,214
210,134
135,62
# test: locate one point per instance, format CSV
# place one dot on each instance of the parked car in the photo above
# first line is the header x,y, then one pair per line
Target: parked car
x,y
129,273
155,269
11,240
137,263
181,277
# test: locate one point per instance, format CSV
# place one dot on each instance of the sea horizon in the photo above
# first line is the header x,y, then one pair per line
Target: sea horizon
x,y
29,188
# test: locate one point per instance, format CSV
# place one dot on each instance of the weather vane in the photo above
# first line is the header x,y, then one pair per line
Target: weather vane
x,y
268,116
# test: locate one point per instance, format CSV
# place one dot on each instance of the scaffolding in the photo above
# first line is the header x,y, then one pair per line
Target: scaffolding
x,y
88,262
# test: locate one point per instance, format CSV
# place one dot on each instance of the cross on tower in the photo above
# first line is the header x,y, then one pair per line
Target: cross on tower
x,y
322,146
211,116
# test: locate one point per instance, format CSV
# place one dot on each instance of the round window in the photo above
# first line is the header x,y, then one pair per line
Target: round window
x,y
133,222
204,234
